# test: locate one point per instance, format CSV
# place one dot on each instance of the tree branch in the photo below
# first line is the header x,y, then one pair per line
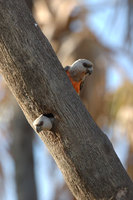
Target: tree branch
x,y
36,78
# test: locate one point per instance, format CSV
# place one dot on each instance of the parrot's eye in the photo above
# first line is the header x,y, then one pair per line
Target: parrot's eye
x,y
87,65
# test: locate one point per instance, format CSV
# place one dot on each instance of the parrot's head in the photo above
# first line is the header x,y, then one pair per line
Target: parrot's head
x,y
80,68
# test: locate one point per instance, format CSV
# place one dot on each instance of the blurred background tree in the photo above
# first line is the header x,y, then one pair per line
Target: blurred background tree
x,y
101,31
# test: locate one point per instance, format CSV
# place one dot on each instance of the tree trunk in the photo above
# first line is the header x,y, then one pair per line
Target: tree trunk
x,y
130,161
32,71
29,4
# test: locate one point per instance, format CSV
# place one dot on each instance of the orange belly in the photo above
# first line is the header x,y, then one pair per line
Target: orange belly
x,y
75,84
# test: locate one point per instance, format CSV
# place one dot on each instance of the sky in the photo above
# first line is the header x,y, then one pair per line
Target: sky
x,y
101,22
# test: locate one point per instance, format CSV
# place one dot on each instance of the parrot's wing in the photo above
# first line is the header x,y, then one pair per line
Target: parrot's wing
x,y
81,85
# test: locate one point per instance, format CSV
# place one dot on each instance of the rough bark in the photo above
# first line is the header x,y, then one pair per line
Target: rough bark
x,y
32,71
29,4
130,161
21,149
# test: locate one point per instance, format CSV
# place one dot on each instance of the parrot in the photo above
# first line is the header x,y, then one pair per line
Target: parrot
x,y
76,74
78,71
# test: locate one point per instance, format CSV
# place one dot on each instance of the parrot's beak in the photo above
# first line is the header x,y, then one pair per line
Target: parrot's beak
x,y
88,71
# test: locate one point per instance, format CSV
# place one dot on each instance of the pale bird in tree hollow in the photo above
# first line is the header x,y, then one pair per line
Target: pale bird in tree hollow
x,y
76,74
